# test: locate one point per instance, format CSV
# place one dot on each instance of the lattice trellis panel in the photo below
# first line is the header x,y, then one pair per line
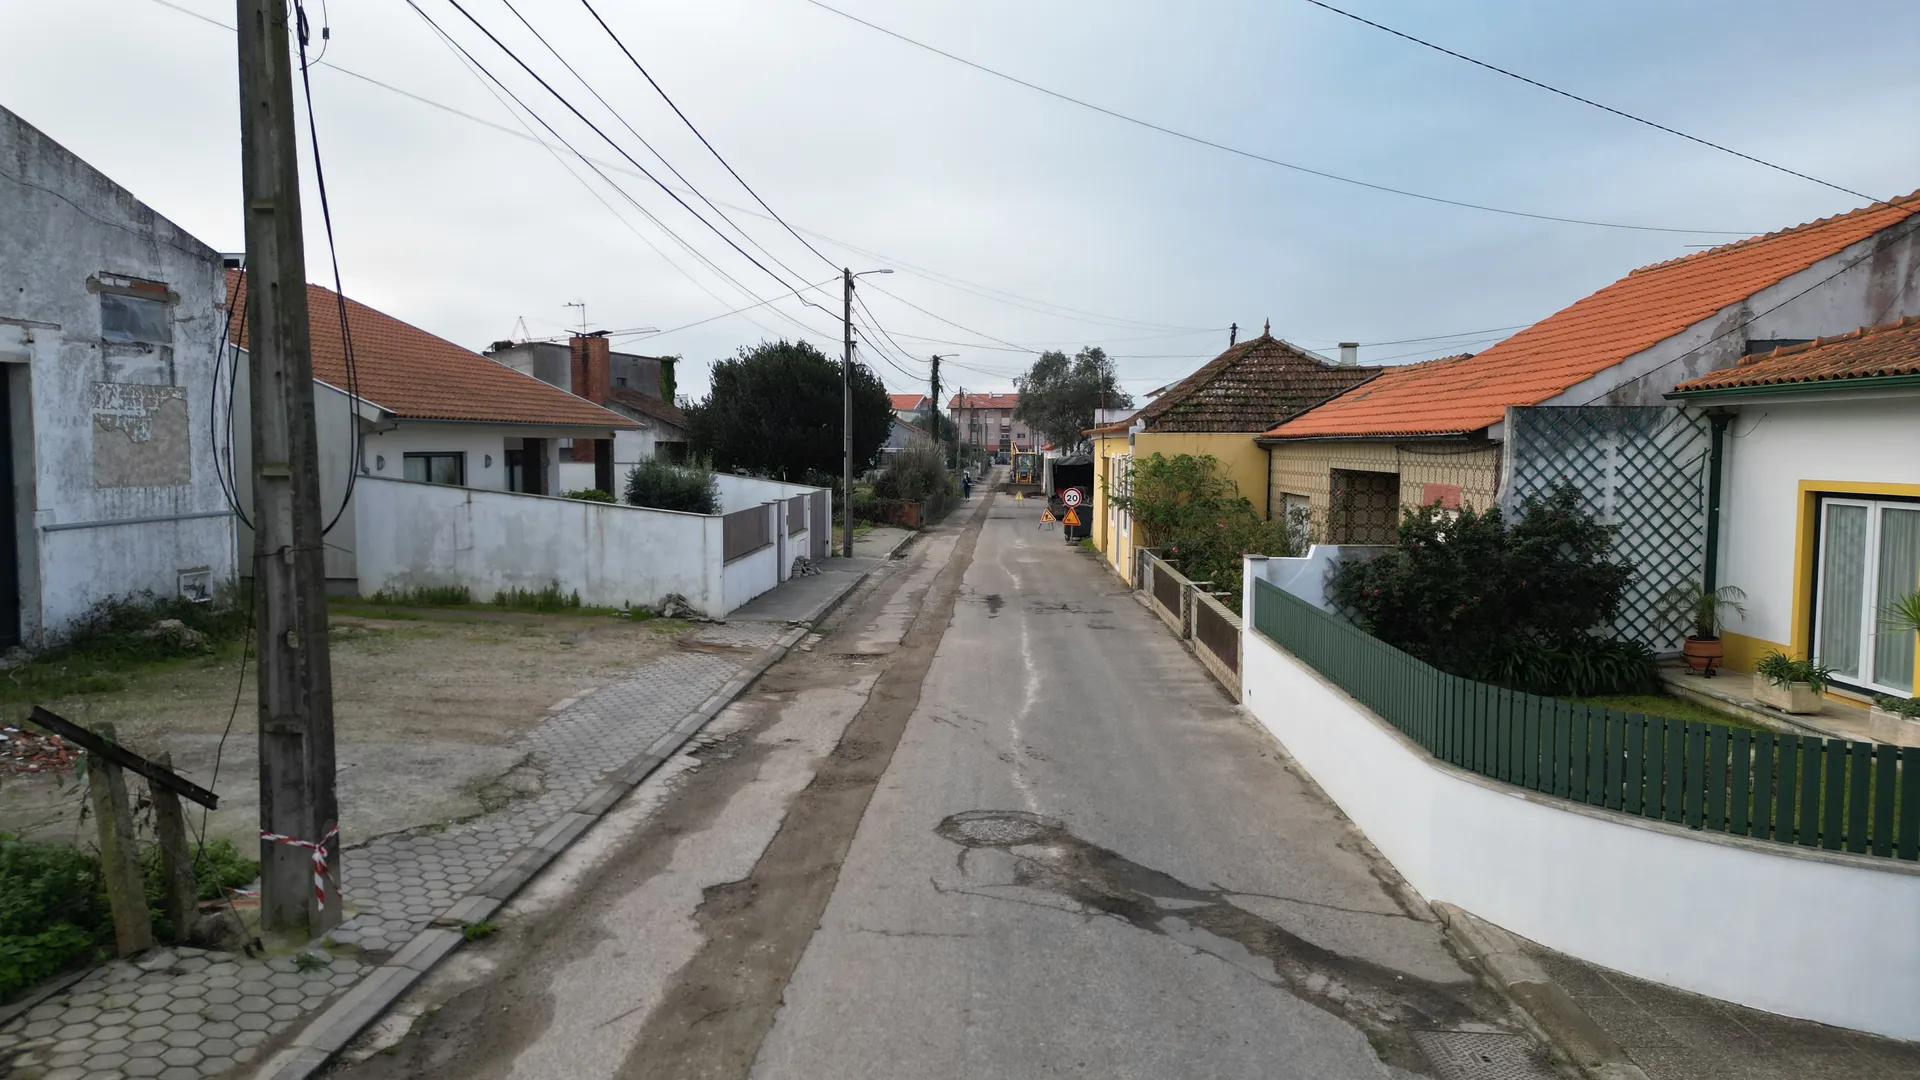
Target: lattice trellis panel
x,y
1641,468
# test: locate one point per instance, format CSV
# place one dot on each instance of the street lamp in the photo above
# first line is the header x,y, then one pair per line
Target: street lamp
x,y
846,405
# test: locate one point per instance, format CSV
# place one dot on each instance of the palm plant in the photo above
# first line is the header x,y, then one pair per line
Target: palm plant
x,y
1702,609
1902,614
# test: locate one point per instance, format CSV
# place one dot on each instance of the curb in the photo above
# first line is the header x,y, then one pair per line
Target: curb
x,y
1500,956
314,1046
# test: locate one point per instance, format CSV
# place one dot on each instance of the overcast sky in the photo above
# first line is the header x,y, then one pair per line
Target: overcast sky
x,y
997,206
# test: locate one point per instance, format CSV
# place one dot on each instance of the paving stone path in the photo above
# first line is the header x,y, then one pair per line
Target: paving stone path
x,y
188,1014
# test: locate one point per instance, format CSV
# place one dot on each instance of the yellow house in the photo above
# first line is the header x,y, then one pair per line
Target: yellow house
x,y
1218,410
1819,521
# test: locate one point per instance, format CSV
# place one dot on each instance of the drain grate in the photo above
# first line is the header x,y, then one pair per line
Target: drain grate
x,y
1476,1055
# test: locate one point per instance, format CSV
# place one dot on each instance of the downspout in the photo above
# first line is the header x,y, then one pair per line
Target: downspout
x,y
1719,421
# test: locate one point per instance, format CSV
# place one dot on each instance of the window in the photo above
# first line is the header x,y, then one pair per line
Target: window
x,y
1868,557
437,468
130,320
620,380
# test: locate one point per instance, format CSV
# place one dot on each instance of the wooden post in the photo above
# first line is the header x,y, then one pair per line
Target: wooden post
x,y
290,612
119,856
176,859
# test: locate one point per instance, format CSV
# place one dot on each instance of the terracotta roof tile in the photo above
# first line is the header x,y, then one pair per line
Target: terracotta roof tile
x,y
984,401
413,374
1418,380
664,411
1870,352
908,402
1250,387
1646,307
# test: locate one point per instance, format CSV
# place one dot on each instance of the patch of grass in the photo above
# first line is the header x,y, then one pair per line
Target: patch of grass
x,y
1672,707
475,931
122,637
1086,544
307,961
549,598
424,596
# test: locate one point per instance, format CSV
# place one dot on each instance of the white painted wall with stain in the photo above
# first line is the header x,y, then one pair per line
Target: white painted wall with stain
x,y
114,488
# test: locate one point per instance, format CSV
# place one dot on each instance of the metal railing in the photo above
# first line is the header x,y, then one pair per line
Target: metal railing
x,y
744,532
1790,789
1216,630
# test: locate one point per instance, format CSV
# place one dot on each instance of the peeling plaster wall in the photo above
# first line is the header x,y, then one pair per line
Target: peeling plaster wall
x,y
113,431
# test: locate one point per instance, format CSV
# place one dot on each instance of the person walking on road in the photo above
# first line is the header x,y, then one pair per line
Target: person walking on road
x,y
966,486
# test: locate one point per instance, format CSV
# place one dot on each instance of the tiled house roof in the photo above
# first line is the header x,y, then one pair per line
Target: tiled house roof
x,y
1640,310
908,402
413,374
1416,379
1250,387
1867,353
984,401
664,411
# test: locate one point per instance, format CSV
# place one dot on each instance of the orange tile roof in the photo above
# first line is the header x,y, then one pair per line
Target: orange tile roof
x,y
984,401
908,402
1417,381
1646,307
1866,353
413,374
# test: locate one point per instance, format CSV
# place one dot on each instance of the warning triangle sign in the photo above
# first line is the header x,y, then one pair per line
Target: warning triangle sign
x,y
1072,518
1047,516
1017,496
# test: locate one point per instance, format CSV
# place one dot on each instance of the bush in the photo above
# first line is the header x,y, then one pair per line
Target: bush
x,y
120,626
217,867
1519,606
1199,520
663,486
53,909
1780,669
911,475
587,495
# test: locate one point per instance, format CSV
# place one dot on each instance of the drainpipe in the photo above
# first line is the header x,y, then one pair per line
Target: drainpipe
x,y
1719,421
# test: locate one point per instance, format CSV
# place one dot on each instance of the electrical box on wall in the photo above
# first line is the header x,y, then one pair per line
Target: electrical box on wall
x,y
196,584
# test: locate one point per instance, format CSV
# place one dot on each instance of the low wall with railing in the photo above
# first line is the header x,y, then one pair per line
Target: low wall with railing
x,y
1773,871
1204,624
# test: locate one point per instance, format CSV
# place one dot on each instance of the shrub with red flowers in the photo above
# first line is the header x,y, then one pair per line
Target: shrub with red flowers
x,y
1526,604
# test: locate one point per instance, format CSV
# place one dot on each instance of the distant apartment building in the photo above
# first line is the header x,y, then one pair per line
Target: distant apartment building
x,y
985,421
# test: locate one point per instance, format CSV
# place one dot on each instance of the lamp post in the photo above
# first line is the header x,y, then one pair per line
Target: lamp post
x,y
846,405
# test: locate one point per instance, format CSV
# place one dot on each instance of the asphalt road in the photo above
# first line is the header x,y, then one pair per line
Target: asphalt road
x,y
997,823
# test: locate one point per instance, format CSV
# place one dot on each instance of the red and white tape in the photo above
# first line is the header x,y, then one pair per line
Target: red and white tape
x,y
319,858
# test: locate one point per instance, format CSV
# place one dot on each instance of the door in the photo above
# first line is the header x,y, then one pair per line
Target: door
x,y
1868,558
9,552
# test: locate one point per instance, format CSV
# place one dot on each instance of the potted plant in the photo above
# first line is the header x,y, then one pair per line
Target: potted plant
x,y
1897,720
1789,685
1702,610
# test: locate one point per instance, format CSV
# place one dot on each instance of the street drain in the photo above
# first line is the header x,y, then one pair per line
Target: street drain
x,y
1476,1055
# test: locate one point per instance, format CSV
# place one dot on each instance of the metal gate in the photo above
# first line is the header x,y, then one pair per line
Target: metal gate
x,y
1640,468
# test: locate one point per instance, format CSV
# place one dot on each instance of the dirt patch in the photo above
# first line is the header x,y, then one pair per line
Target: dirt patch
x,y
427,705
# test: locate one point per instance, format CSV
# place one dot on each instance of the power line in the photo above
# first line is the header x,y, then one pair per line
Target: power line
x,y
1589,101
1249,154
696,132
548,87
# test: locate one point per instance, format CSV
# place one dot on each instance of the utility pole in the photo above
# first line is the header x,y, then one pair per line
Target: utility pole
x,y
846,407
295,675
935,403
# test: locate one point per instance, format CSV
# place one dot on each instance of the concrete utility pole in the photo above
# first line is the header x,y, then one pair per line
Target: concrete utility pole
x,y
295,676
846,415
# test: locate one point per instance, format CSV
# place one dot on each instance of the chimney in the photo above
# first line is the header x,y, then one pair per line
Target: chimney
x,y
592,379
1349,353
592,367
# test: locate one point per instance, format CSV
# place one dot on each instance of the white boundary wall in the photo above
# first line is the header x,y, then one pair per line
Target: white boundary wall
x,y
1822,936
740,492
412,534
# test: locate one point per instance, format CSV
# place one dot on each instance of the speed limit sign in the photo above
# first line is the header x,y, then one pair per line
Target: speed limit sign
x,y
1071,496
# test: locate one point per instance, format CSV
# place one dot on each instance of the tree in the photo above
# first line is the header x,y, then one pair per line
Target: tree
x,y
775,410
1058,394
1197,517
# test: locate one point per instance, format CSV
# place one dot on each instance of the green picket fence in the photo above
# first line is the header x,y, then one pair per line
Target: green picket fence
x,y
1822,793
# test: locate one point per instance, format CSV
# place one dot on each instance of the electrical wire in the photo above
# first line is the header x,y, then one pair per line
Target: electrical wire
x,y
339,293
1589,101
561,98
1252,155
696,133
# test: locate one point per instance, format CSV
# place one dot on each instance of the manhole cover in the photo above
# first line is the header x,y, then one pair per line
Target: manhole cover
x,y
1475,1055
997,828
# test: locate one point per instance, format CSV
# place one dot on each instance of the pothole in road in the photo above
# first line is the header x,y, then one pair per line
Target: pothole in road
x,y
1412,1023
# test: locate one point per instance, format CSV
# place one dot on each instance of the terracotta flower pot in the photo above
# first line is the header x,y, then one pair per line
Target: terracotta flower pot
x,y
1704,654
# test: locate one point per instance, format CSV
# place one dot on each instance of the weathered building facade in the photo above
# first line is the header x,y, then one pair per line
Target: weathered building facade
x,y
110,320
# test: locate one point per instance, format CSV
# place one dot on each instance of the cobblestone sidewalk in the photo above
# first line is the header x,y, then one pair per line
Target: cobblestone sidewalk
x,y
188,1014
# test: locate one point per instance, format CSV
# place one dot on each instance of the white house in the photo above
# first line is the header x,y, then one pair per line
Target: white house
x,y
109,329
1820,518
426,410
626,383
